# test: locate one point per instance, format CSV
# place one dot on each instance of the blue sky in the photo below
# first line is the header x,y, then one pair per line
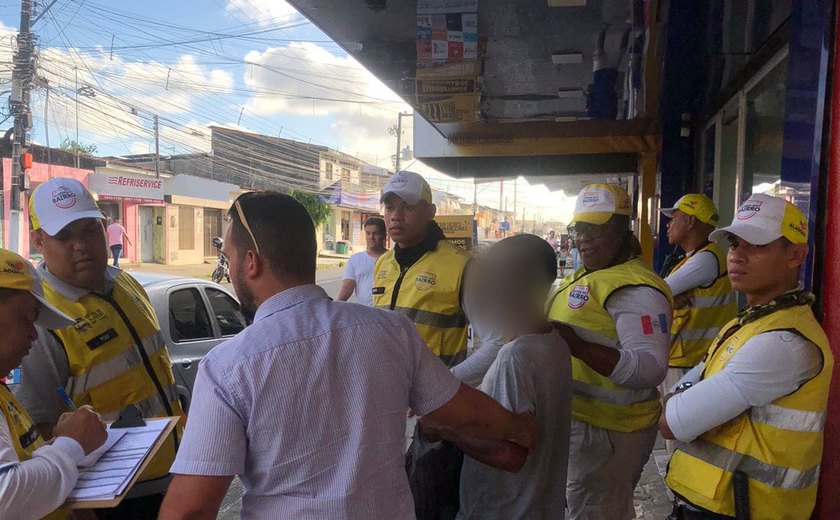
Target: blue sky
x,y
251,64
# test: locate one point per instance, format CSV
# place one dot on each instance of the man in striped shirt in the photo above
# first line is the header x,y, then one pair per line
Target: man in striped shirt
x,y
307,405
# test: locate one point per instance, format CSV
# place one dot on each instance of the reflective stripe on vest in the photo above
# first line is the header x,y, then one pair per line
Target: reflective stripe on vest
x,y
580,302
107,368
102,373
24,434
429,293
731,461
696,326
778,446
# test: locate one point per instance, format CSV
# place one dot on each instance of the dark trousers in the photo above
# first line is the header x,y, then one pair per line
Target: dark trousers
x,y
116,251
142,508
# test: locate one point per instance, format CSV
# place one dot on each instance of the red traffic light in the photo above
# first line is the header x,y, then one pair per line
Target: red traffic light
x,y
26,161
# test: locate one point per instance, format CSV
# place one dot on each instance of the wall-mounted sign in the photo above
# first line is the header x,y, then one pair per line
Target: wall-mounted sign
x,y
128,188
459,229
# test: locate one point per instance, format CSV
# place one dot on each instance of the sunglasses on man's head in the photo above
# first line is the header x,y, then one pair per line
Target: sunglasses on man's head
x,y
245,224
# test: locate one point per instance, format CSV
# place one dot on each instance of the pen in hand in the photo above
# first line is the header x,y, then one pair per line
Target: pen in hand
x,y
66,399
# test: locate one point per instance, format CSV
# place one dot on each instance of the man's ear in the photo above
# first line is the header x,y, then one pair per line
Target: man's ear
x,y
432,211
797,254
255,265
36,237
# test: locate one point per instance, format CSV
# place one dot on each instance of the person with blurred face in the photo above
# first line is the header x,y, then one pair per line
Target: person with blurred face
x,y
114,355
531,373
615,314
35,477
703,298
750,417
358,275
308,403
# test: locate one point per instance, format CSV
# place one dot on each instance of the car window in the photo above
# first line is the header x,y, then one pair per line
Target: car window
x,y
231,320
188,318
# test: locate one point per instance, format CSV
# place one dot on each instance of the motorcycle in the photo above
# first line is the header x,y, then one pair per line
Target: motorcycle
x,y
222,266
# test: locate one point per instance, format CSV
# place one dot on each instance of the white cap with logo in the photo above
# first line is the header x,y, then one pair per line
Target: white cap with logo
x,y
763,219
409,186
59,202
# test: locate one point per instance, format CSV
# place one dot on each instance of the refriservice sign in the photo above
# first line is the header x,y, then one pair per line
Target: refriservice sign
x,y
129,188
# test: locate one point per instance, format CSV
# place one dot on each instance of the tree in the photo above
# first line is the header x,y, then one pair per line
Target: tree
x,y
318,210
85,150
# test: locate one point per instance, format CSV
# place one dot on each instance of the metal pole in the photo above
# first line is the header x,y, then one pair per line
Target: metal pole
x,y
21,84
157,148
399,143
77,115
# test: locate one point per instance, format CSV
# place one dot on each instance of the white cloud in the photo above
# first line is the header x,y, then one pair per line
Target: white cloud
x,y
305,79
266,12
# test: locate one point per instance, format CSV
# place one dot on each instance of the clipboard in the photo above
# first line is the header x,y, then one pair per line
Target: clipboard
x,y
99,503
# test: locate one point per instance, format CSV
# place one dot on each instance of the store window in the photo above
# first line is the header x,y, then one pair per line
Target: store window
x,y
765,113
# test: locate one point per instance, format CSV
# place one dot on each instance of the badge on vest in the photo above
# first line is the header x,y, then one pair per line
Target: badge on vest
x,y
101,339
377,290
425,281
578,296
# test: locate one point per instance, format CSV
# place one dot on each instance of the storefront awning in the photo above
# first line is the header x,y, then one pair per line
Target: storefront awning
x,y
127,188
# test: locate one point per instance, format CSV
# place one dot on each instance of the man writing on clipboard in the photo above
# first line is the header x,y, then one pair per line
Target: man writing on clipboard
x,y
114,354
35,478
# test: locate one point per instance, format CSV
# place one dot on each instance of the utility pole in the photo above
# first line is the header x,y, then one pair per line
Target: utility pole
x,y
157,148
399,140
515,185
22,79
76,71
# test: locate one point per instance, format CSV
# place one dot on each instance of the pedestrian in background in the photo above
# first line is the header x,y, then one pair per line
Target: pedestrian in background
x,y
35,477
114,355
615,314
116,235
750,418
574,255
358,274
308,403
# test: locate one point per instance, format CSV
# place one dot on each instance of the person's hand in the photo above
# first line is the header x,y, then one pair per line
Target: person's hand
x,y
568,334
681,301
432,431
84,426
527,427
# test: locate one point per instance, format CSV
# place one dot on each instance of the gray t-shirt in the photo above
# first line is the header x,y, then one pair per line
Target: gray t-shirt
x,y
531,374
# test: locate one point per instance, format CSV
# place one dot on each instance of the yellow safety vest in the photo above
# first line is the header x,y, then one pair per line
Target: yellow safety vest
x,y
779,446
428,292
696,326
580,301
118,357
25,436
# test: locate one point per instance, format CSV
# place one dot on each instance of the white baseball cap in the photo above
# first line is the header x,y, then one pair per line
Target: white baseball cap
x,y
597,203
763,219
18,274
409,186
60,201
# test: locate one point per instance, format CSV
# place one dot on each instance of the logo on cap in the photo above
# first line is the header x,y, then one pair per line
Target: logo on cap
x,y
749,209
15,267
398,182
63,198
590,198
801,228
578,296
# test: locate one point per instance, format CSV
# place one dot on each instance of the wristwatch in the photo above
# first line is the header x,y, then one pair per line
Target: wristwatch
x,y
683,387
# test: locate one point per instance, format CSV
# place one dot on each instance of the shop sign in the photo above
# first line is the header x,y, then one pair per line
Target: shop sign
x,y
128,188
459,229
